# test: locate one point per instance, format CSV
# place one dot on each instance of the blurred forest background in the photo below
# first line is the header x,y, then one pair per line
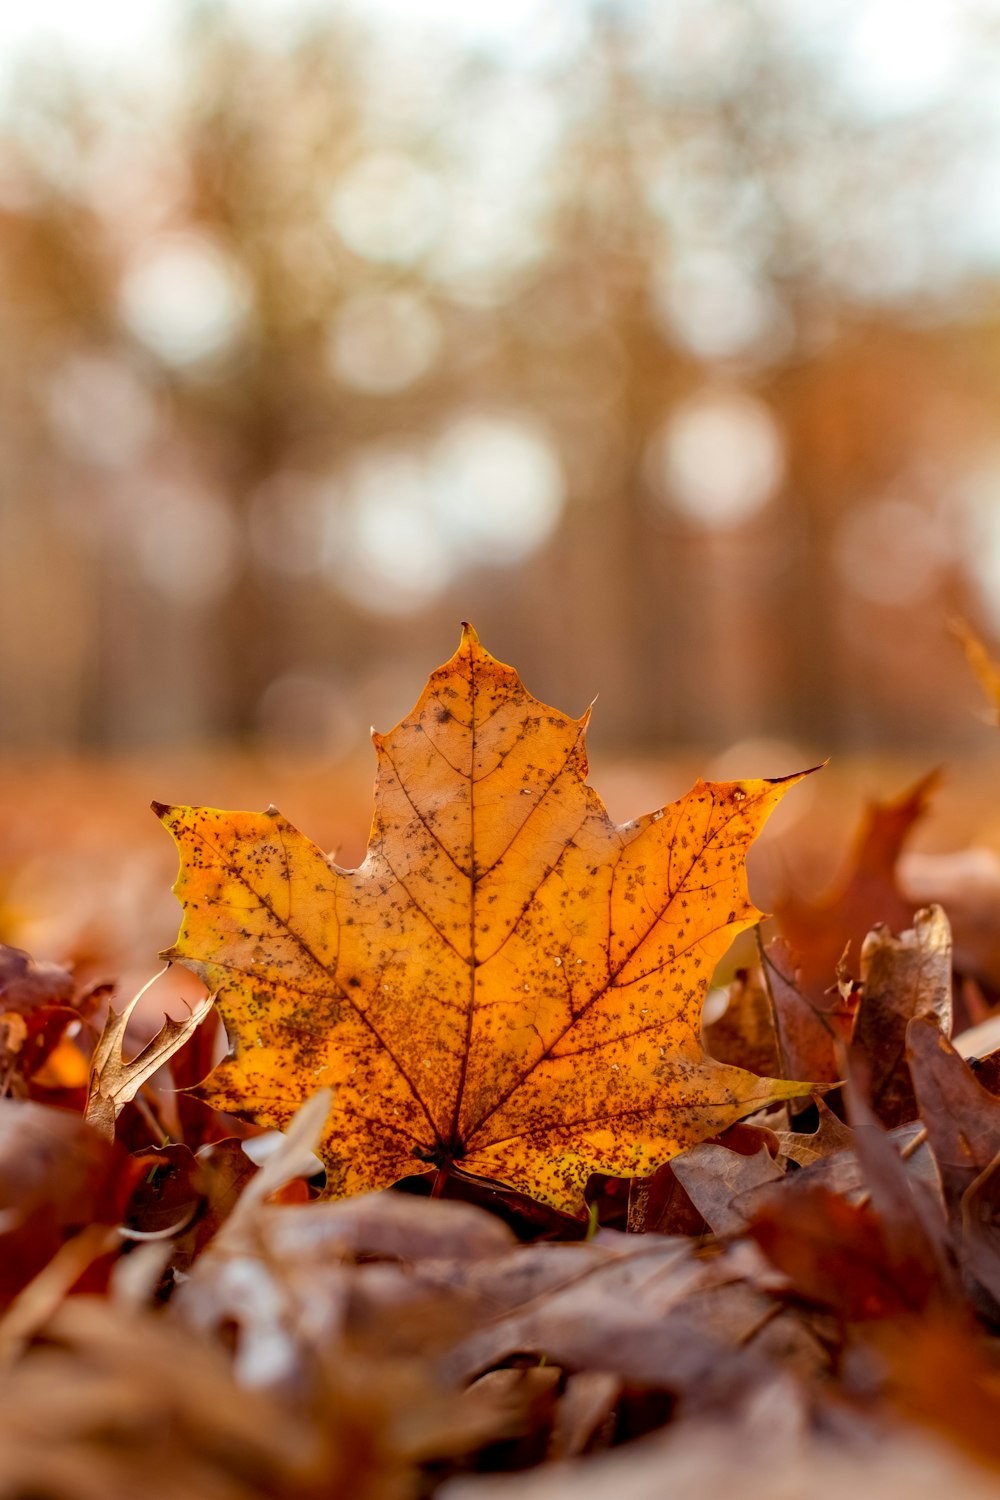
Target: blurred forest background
x,y
662,340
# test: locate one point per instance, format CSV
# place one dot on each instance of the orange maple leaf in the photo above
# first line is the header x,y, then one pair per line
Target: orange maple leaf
x,y
510,986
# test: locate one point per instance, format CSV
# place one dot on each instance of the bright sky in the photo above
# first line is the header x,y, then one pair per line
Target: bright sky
x,y
891,55
103,32
895,53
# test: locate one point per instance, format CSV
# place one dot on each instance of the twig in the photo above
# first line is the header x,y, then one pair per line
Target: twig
x,y
769,964
772,1006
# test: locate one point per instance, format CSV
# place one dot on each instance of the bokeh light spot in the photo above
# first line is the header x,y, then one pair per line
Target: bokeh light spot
x,y
389,559
714,305
383,341
387,207
101,410
184,298
498,488
490,490
719,459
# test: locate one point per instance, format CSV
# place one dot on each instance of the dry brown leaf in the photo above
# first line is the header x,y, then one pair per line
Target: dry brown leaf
x,y
869,893
901,978
57,1176
714,1179
115,1082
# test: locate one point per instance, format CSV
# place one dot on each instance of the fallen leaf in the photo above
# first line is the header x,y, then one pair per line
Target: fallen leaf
x,y
383,1225
660,1205
942,1376
813,1029
869,893
809,1026
108,1403
113,1081
961,1117
583,1412
907,1202
715,1178
755,1457
841,1171
962,1120
881,1255
510,986
979,1249
744,1034
901,978
57,1176
641,1307
830,1136
26,984
835,1253
535,1388
293,1158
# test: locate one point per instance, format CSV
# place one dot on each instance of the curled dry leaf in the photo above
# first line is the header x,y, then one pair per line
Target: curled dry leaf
x,y
510,986
901,977
294,1157
813,1028
113,1081
881,1255
907,1201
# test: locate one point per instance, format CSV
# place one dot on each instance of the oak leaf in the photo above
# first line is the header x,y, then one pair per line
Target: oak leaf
x,y
510,986
869,892
114,1082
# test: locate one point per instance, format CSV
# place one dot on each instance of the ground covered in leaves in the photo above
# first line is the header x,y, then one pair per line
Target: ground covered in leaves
x,y
808,1301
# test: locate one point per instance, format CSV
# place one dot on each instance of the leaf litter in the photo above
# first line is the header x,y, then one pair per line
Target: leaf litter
x,y
794,1304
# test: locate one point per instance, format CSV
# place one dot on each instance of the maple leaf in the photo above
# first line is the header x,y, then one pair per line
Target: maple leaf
x,y
510,986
